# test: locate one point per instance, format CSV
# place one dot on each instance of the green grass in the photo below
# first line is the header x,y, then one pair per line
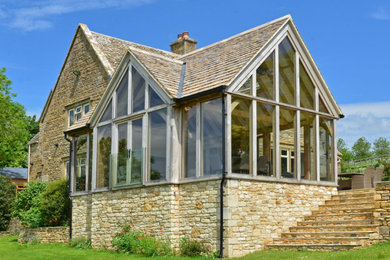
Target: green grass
x,y
10,249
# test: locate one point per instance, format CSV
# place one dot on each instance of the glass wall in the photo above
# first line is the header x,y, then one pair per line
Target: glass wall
x,y
122,156
240,130
285,133
80,162
122,97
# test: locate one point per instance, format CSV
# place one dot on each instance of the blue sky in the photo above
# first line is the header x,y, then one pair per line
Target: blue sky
x,y
347,39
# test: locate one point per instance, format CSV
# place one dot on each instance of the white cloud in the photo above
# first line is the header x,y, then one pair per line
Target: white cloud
x,y
30,16
371,120
381,14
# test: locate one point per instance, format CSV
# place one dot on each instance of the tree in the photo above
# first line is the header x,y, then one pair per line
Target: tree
x,y
361,148
381,147
347,154
16,127
7,196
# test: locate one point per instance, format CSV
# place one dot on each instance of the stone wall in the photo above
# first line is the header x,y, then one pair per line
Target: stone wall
x,y
382,208
186,210
47,156
258,212
44,235
15,226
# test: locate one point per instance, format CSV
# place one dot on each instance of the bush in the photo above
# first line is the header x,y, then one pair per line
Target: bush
x,y
26,207
7,196
193,248
80,242
55,204
144,243
386,170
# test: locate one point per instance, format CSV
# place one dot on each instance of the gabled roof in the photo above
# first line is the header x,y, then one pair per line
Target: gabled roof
x,y
34,140
14,173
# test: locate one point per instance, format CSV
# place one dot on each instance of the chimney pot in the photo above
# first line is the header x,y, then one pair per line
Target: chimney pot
x,y
186,35
184,44
179,36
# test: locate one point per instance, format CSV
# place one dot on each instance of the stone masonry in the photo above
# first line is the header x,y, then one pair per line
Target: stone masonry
x,y
47,156
255,212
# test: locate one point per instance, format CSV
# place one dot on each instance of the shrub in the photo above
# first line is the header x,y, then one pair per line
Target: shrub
x,y
80,242
27,204
7,196
386,170
55,204
193,248
128,241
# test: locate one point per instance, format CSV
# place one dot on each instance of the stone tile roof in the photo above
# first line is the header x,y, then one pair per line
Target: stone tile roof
x,y
206,68
35,139
14,173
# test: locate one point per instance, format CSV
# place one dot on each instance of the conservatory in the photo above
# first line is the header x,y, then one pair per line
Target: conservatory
x,y
277,127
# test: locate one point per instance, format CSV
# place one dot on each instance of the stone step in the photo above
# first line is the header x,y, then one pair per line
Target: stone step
x,y
364,205
318,247
323,240
342,211
333,234
334,228
350,222
341,217
353,196
355,192
350,200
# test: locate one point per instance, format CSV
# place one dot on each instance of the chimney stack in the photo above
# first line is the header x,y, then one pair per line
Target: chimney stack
x,y
184,44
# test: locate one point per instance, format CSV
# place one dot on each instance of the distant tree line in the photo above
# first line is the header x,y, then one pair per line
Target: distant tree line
x,y
362,148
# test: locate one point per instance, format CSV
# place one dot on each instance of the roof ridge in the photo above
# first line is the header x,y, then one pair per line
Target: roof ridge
x,y
156,55
164,51
237,35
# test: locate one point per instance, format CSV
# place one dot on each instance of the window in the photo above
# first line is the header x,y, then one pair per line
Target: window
x,y
284,135
80,162
131,143
76,113
189,126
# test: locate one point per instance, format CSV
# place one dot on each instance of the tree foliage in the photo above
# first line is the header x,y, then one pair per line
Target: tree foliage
x,y
7,196
381,147
16,127
347,154
361,148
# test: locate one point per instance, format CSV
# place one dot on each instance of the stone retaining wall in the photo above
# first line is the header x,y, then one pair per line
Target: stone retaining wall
x,y
258,212
15,226
382,208
44,235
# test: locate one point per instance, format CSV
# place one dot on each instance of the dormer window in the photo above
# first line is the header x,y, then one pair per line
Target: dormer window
x,y
76,113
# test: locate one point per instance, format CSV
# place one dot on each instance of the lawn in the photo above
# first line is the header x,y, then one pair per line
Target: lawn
x,y
10,249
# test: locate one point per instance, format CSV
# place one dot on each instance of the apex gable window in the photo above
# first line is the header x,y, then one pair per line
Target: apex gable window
x,y
132,133
280,126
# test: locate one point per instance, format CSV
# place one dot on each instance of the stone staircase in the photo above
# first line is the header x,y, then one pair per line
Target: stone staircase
x,y
344,222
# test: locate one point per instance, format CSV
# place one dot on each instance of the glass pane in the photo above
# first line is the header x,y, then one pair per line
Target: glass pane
x,y
286,72
306,88
122,97
123,162
138,91
212,136
189,127
158,141
286,141
322,106
265,78
90,162
265,139
103,156
136,152
86,109
247,87
326,151
71,117
80,162
154,98
108,113
307,143
240,135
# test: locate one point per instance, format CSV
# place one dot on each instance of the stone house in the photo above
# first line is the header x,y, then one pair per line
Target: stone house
x,y
18,176
238,136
